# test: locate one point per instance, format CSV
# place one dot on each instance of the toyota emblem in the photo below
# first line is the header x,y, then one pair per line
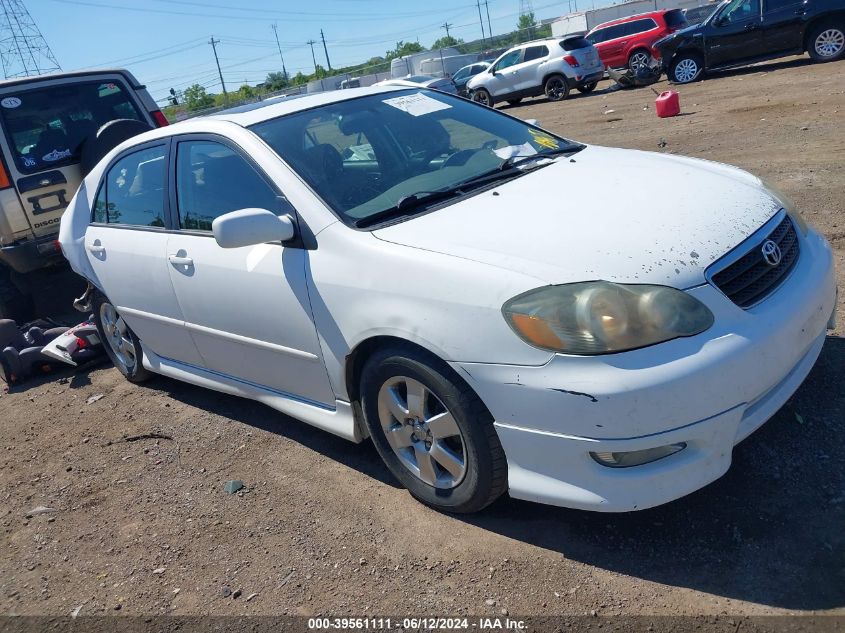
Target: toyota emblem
x,y
771,253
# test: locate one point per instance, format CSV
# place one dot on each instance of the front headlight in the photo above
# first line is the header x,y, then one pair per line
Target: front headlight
x,y
599,317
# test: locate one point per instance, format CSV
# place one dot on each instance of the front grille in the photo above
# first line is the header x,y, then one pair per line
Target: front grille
x,y
751,278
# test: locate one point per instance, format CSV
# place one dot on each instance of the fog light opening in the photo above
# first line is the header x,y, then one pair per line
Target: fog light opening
x,y
627,459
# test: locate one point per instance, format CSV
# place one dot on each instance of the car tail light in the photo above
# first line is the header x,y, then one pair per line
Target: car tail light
x,y
570,59
159,118
5,181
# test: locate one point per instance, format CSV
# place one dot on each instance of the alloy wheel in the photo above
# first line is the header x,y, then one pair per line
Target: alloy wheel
x,y
481,97
422,432
686,70
830,42
638,60
555,89
118,337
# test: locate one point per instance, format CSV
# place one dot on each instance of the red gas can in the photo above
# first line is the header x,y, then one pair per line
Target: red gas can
x,y
668,103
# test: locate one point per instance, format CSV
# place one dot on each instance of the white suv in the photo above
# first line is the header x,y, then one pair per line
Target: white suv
x,y
551,67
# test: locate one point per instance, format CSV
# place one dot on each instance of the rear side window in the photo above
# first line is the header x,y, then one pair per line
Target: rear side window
x,y
574,43
639,26
535,52
212,180
133,190
46,127
677,20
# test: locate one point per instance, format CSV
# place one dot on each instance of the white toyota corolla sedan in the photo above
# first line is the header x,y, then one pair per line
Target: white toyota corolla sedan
x,y
497,307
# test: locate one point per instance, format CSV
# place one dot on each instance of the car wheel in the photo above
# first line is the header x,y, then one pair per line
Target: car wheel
x,y
588,88
638,59
514,102
827,42
556,88
432,431
14,304
119,341
483,97
685,68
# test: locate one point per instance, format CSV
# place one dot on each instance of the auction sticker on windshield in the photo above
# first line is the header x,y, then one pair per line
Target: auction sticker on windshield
x,y
417,104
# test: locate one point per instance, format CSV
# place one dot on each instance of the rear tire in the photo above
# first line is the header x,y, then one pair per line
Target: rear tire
x,y
638,59
122,346
587,88
826,42
455,465
14,304
685,68
482,96
556,88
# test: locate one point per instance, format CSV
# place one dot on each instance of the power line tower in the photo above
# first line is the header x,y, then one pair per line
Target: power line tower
x,y
526,8
23,50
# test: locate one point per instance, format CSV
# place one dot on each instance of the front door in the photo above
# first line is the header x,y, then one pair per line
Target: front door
x,y
735,36
503,81
126,245
247,308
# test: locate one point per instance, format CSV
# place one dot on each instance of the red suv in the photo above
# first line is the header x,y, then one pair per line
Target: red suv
x,y
628,41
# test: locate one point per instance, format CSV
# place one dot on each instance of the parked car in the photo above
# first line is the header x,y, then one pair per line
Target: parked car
x,y
463,75
52,125
443,84
628,42
432,289
551,67
742,32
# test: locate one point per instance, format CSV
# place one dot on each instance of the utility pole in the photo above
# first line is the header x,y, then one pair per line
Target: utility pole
x,y
446,26
313,57
483,37
23,50
489,26
214,44
325,49
276,33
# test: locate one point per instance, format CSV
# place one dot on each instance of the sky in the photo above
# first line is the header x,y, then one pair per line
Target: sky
x,y
165,43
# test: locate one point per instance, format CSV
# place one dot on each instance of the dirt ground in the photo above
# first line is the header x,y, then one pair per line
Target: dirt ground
x,y
145,527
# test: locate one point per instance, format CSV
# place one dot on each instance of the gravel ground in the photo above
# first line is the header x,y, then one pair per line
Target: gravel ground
x,y
142,524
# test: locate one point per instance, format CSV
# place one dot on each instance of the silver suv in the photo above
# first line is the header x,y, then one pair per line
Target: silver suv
x,y
551,67
52,127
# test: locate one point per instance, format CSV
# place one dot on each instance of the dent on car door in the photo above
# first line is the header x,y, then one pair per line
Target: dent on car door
x,y
246,308
126,244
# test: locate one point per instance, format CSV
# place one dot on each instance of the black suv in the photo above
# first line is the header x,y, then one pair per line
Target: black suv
x,y
741,32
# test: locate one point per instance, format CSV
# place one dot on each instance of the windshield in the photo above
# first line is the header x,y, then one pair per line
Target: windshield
x,y
364,155
47,126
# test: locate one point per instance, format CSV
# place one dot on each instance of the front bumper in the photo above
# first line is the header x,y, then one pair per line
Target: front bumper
x,y
709,391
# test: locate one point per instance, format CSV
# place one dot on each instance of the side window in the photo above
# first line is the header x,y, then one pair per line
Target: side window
x,y
133,190
535,52
509,59
740,11
776,5
641,26
615,32
598,36
212,180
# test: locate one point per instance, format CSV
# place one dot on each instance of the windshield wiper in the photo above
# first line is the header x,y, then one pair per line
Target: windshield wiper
x,y
408,205
521,159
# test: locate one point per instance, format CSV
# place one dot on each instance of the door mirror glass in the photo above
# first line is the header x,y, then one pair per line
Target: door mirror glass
x,y
248,227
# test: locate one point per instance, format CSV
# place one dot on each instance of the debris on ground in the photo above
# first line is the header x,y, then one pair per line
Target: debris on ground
x,y
39,510
95,398
232,486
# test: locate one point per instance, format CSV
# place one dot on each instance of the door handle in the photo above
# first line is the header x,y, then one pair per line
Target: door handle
x,y
96,248
750,27
180,261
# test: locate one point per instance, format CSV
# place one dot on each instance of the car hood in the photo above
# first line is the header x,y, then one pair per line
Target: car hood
x,y
619,215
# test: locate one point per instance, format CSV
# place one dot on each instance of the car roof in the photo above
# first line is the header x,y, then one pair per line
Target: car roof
x,y
22,81
628,18
253,113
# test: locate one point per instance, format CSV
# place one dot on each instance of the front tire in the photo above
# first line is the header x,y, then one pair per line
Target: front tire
x,y
122,346
432,431
685,69
556,88
482,96
826,42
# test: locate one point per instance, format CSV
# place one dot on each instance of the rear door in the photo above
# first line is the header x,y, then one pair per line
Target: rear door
x,y
527,71
44,124
783,25
613,45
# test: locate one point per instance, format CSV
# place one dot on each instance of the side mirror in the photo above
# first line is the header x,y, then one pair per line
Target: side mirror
x,y
533,122
249,227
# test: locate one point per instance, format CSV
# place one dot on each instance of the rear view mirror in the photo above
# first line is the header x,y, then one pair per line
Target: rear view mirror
x,y
249,227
